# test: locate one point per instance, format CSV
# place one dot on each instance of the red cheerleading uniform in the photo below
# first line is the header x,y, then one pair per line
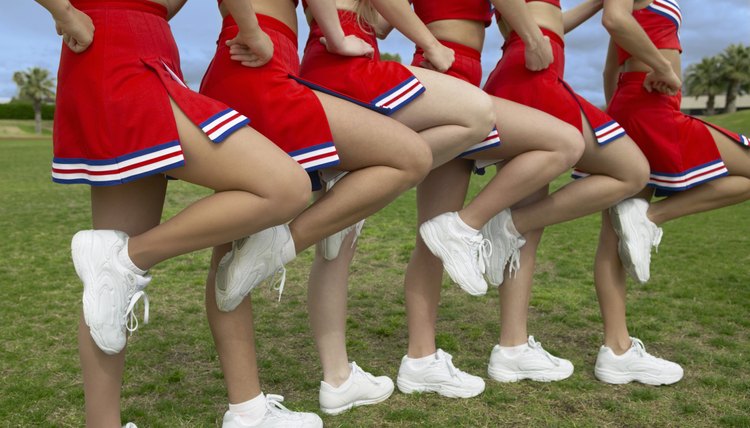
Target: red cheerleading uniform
x,y
382,86
113,121
680,149
467,65
546,90
283,110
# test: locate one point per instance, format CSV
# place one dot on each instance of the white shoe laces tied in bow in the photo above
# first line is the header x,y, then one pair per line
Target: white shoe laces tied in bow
x,y
481,250
278,285
131,323
273,404
639,347
448,358
537,346
358,369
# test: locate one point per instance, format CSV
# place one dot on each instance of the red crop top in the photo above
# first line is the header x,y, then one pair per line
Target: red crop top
x,y
296,2
555,3
436,10
661,21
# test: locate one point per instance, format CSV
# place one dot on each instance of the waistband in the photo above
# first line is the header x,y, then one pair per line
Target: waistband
x,y
458,48
265,21
553,37
138,5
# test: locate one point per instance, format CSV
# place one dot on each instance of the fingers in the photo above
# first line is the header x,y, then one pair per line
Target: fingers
x,y
428,65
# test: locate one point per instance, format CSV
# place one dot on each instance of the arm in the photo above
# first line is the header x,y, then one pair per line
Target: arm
x,y
75,26
538,50
628,34
174,6
572,18
611,70
399,14
252,47
325,14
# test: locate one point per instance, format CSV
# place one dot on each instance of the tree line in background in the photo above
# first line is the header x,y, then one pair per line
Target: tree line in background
x,y
726,73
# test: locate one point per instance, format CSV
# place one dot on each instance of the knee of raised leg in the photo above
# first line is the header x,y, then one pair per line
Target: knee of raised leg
x,y
420,163
293,194
484,115
639,174
572,144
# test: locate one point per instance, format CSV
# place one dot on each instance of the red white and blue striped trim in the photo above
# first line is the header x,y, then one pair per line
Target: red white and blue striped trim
x,y
492,140
399,96
669,9
744,140
690,178
608,132
106,172
316,157
219,126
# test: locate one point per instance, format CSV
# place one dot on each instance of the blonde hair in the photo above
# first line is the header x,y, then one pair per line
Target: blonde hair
x,y
367,16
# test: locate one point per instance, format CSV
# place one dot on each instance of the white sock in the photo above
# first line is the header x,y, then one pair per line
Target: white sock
x,y
250,412
124,258
462,224
513,351
420,363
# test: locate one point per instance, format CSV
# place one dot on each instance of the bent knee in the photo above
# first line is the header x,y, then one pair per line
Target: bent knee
x,y
292,193
419,163
636,175
484,116
571,144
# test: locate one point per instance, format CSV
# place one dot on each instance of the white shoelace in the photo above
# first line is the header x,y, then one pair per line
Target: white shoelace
x,y
273,404
358,369
131,323
639,347
448,358
656,233
481,249
537,346
278,285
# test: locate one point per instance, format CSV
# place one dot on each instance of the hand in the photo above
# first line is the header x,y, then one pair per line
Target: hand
x,y
349,46
539,55
251,50
666,82
76,28
439,57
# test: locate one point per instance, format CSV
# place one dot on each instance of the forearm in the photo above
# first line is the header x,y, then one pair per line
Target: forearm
x,y
325,14
244,15
576,16
56,8
519,18
610,74
628,34
400,16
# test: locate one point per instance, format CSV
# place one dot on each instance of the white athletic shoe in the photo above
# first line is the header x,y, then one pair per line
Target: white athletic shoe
x,y
462,252
533,363
506,246
332,244
129,425
440,376
635,365
637,235
110,289
252,260
360,389
277,416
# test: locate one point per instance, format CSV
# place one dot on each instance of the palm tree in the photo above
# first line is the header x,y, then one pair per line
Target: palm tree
x,y
705,78
735,64
35,85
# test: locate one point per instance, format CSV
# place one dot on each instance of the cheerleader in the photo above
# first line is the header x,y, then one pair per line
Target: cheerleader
x,y
698,166
125,120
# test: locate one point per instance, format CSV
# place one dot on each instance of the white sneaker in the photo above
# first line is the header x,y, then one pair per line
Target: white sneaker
x,y
635,365
129,425
110,289
252,260
276,416
533,363
637,235
332,244
462,252
360,389
506,246
440,376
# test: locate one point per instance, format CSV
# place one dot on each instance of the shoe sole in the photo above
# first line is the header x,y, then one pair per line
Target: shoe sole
x,y
342,409
619,225
407,387
509,377
81,241
429,236
617,378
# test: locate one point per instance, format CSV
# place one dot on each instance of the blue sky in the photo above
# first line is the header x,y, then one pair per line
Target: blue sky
x,y
27,39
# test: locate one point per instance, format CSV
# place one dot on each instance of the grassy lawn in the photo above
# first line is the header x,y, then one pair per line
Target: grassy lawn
x,y
694,311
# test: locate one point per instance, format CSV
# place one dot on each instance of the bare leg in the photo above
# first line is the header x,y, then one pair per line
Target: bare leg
x,y
714,194
451,115
618,170
385,159
327,306
538,147
515,292
442,191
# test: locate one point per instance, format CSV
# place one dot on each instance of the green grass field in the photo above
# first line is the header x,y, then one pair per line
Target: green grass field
x,y
693,311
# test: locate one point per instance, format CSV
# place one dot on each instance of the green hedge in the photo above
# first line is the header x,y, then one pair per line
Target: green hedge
x,y
18,110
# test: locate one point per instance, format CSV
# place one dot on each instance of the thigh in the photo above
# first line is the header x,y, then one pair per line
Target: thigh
x,y
735,157
246,160
133,207
446,100
365,138
619,158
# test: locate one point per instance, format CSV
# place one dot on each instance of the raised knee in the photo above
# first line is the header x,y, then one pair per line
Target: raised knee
x,y
485,115
292,194
572,145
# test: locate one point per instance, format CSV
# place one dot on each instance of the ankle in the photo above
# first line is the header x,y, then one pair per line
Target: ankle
x,y
619,346
338,377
